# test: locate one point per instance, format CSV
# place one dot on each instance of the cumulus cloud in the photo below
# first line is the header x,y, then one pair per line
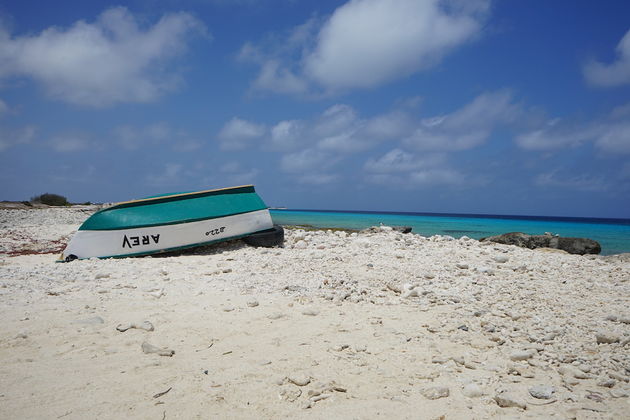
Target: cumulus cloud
x,y
287,135
310,166
236,134
111,60
465,128
610,135
305,161
365,43
614,138
614,74
369,42
339,129
403,169
398,160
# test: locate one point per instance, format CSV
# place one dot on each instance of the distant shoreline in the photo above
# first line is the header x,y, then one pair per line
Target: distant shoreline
x,y
603,220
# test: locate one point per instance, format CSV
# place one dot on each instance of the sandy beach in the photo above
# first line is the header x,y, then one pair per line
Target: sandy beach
x,y
363,325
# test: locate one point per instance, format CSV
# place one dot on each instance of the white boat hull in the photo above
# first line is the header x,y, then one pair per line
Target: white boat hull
x,y
150,240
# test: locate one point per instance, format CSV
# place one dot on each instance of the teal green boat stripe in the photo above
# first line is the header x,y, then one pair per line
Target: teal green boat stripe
x,y
175,210
169,223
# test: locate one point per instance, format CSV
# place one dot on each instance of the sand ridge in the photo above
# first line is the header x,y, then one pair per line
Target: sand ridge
x,y
334,324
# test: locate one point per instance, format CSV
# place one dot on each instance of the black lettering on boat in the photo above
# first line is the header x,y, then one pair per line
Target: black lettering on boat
x,y
216,231
131,241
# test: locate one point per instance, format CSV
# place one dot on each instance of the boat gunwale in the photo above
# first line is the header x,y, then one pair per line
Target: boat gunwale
x,y
176,197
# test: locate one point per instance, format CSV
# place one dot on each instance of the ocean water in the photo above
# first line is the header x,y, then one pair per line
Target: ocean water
x,y
612,234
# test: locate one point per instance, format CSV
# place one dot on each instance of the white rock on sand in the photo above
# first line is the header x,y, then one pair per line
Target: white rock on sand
x,y
366,325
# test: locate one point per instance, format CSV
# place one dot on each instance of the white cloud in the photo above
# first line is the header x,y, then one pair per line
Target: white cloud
x,y
305,161
614,138
465,128
236,174
160,133
237,133
398,160
554,135
278,79
310,166
340,129
132,137
168,176
365,43
579,183
318,179
287,135
610,135
70,143
407,170
14,137
615,74
419,179
109,61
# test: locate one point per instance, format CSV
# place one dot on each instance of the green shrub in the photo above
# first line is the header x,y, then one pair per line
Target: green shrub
x,y
51,200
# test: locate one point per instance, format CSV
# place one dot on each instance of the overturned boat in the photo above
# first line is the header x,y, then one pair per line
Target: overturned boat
x,y
172,222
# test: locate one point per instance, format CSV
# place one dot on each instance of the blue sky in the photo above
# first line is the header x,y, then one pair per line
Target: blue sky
x,y
475,106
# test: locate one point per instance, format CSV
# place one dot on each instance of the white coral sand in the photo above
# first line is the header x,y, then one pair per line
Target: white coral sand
x,y
345,325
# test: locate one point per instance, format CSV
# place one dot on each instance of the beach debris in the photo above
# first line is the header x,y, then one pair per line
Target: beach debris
x,y
156,293
252,303
522,355
145,325
619,393
607,383
290,394
472,390
506,400
310,312
543,392
435,392
151,349
299,379
159,394
605,337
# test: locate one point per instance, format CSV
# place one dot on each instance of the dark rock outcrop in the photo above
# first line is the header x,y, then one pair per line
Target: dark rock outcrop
x,y
402,229
579,246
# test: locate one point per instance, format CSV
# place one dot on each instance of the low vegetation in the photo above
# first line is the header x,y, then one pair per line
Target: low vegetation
x,y
50,200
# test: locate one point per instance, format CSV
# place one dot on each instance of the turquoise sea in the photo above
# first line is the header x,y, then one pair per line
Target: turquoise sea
x,y
612,234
